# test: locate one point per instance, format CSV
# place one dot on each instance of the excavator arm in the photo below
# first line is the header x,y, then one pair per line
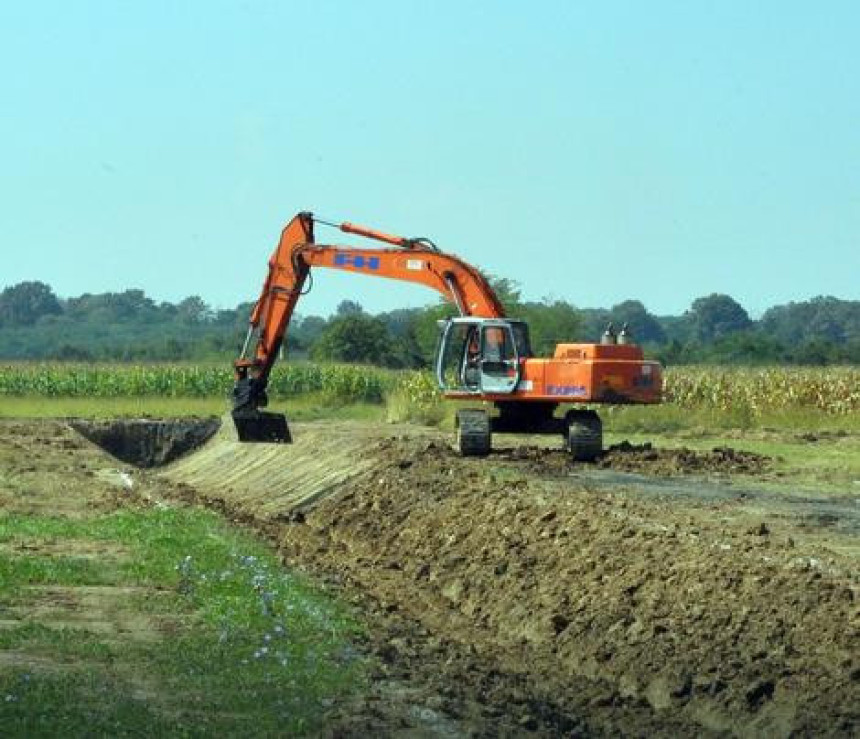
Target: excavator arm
x,y
412,260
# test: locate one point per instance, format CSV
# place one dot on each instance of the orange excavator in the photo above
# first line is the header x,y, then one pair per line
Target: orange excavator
x,y
481,356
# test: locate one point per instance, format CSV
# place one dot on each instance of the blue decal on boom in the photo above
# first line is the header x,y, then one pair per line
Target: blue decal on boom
x,y
573,391
357,261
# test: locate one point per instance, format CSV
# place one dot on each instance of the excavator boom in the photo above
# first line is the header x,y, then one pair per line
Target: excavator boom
x,y
414,260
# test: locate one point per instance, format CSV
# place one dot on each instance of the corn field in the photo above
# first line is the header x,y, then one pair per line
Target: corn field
x,y
832,390
753,392
118,381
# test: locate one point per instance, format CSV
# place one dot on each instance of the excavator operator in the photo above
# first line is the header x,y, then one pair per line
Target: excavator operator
x,y
472,368
496,351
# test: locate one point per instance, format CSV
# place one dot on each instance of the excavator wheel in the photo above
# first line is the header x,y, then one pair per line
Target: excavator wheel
x,y
584,435
474,438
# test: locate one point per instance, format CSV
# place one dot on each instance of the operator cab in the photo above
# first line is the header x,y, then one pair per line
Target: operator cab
x,y
480,355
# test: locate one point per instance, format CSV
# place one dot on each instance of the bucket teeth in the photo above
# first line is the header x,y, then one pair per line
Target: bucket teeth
x,y
261,426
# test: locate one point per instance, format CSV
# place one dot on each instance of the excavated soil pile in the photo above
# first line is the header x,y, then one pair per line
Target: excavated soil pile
x,y
146,442
644,459
628,457
588,612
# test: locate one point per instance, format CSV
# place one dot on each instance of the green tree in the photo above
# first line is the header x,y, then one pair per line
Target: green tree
x,y
507,291
642,325
401,324
744,347
673,352
348,308
194,310
25,303
716,316
305,332
356,338
426,328
678,329
104,308
592,323
823,317
72,353
550,323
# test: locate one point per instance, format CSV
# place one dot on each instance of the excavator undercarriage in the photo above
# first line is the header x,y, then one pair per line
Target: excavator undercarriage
x,y
581,430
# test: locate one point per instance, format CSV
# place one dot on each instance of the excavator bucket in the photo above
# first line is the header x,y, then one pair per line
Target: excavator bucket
x,y
261,426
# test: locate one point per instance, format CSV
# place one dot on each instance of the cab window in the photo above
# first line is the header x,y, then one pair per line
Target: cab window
x,y
498,350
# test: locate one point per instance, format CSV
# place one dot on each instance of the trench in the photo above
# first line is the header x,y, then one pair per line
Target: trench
x,y
146,442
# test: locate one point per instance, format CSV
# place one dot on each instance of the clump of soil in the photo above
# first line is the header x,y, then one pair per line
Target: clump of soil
x,y
645,459
629,457
147,442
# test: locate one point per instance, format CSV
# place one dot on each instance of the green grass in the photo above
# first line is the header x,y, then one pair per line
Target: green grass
x,y
251,649
670,418
810,449
33,570
37,406
83,704
831,465
306,407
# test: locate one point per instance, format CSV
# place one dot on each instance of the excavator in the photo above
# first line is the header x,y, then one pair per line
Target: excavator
x,y
482,356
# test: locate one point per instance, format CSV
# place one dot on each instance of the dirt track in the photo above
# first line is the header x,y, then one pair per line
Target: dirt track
x,y
525,595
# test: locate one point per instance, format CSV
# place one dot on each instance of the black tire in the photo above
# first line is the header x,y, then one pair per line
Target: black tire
x,y
584,435
474,438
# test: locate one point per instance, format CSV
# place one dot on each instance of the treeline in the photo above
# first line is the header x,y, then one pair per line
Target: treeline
x,y
129,326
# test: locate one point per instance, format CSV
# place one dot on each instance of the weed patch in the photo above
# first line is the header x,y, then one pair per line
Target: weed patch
x,y
196,630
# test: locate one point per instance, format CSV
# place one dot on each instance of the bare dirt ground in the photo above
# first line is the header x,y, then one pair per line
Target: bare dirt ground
x,y
658,592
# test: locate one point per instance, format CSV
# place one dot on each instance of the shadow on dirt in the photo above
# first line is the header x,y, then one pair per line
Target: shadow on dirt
x,y
148,442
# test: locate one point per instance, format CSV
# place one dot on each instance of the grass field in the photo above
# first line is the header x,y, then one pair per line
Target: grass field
x,y
192,629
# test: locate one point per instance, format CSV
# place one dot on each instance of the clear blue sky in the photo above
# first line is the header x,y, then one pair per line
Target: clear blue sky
x,y
592,151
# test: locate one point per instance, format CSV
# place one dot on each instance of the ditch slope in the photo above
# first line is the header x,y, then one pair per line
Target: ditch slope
x,y
523,594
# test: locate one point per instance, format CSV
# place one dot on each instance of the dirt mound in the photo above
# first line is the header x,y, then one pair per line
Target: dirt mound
x,y
596,613
643,459
146,442
629,457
